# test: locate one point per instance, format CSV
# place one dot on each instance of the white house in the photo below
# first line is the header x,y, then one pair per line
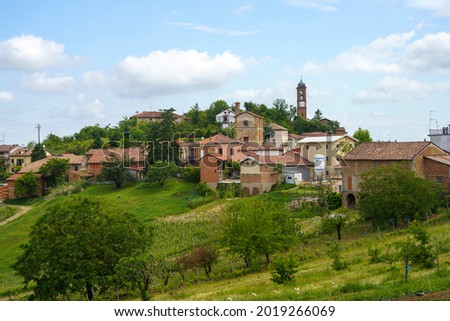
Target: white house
x,y
226,118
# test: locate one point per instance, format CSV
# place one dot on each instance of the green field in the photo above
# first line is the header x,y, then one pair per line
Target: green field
x,y
179,228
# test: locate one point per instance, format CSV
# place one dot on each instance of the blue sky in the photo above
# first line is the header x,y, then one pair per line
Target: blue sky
x,y
378,64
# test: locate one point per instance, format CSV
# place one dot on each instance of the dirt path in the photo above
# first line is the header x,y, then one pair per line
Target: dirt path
x,y
22,211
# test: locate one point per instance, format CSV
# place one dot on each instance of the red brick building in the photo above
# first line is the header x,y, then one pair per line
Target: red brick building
x,y
437,168
412,155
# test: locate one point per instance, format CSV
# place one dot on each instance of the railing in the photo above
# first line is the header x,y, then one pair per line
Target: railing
x,y
440,131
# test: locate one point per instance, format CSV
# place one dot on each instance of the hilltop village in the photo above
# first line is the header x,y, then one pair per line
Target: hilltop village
x,y
239,202
249,149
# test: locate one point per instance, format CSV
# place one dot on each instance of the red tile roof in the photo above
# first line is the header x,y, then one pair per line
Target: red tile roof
x,y
387,151
22,152
36,166
152,115
97,156
218,139
250,113
216,155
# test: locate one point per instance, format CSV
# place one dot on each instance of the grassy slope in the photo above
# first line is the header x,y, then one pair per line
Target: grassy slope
x,y
316,280
147,201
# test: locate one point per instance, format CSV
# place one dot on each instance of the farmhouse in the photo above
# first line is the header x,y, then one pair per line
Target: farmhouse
x,y
366,156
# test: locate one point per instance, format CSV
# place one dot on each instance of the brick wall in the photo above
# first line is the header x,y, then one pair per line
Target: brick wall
x,y
438,172
209,171
4,192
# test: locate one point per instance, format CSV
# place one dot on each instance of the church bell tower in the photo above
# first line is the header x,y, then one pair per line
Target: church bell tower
x,y
301,100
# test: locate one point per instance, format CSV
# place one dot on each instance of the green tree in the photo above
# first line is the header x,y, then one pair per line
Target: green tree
x,y
284,270
55,171
160,172
394,193
38,152
75,247
137,271
362,135
252,227
114,170
27,185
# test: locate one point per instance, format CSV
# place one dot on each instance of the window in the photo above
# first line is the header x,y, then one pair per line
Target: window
x,y
326,146
246,139
231,151
245,122
307,147
220,151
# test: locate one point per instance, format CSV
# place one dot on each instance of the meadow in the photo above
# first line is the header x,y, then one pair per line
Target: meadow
x,y
178,229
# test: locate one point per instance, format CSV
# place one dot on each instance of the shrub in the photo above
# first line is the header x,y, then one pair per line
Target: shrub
x,y
203,190
334,252
27,185
375,255
67,189
420,252
229,190
199,201
284,270
191,174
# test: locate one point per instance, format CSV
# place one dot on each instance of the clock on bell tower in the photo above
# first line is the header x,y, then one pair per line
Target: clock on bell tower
x,y
301,100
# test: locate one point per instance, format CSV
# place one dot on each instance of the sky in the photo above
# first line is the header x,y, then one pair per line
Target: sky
x,y
382,65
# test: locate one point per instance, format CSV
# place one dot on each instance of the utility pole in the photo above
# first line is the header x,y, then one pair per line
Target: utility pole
x,y
39,133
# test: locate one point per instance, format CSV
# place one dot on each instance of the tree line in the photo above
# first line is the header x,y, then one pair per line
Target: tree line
x,y
197,123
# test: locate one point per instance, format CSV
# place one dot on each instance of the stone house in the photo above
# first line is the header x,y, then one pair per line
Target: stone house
x,y
367,156
249,128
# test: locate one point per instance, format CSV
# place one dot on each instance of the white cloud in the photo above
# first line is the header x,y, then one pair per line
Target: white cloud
x,y
322,5
438,7
94,79
174,71
213,30
381,55
40,82
429,54
92,109
28,52
6,97
394,89
243,10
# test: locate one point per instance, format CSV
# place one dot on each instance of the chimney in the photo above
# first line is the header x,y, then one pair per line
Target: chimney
x,y
237,106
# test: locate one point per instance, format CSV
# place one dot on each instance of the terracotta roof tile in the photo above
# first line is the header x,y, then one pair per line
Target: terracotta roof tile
x,y
152,114
98,156
387,151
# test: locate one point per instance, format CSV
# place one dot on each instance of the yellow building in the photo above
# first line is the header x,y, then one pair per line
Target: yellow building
x,y
18,159
325,152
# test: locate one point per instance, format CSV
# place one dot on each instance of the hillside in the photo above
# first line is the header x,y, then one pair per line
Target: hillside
x,y
179,229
